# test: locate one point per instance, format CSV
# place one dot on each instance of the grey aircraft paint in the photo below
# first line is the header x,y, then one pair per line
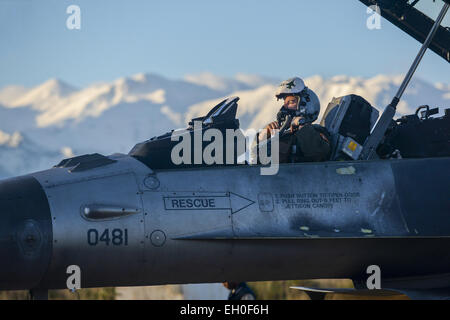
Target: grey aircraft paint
x,y
192,225
131,220
25,233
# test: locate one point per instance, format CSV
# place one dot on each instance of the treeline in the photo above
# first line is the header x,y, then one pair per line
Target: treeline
x,y
82,294
280,290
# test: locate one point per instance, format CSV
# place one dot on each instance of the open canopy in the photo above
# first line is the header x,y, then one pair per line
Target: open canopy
x,y
416,17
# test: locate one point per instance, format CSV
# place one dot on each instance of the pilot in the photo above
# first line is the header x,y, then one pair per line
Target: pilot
x,y
302,141
239,291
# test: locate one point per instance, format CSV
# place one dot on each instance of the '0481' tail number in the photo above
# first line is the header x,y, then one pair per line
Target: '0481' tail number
x,y
115,237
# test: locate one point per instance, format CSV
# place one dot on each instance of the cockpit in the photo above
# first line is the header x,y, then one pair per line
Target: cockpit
x,y
349,121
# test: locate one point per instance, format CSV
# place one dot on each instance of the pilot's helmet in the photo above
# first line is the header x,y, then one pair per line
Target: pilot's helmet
x,y
309,104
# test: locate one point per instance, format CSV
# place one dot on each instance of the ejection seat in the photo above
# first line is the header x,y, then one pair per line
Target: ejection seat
x,y
349,120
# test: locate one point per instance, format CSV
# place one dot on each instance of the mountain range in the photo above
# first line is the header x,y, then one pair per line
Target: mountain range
x,y
39,126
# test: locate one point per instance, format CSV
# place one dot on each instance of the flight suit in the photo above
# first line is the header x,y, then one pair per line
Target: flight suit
x,y
311,144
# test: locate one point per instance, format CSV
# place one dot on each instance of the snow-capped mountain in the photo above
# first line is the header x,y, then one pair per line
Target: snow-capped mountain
x,y
55,120
240,81
258,107
19,154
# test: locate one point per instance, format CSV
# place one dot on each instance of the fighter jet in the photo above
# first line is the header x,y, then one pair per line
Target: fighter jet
x,y
139,219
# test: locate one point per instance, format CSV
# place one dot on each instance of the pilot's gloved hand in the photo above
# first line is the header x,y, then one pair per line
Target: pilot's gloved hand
x,y
270,128
295,124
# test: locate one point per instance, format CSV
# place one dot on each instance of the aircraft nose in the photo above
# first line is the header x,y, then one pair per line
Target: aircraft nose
x,y
25,233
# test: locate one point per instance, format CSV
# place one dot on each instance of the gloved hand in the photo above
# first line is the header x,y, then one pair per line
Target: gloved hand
x,y
270,128
295,124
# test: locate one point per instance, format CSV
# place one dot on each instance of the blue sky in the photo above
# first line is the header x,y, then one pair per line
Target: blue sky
x,y
273,38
